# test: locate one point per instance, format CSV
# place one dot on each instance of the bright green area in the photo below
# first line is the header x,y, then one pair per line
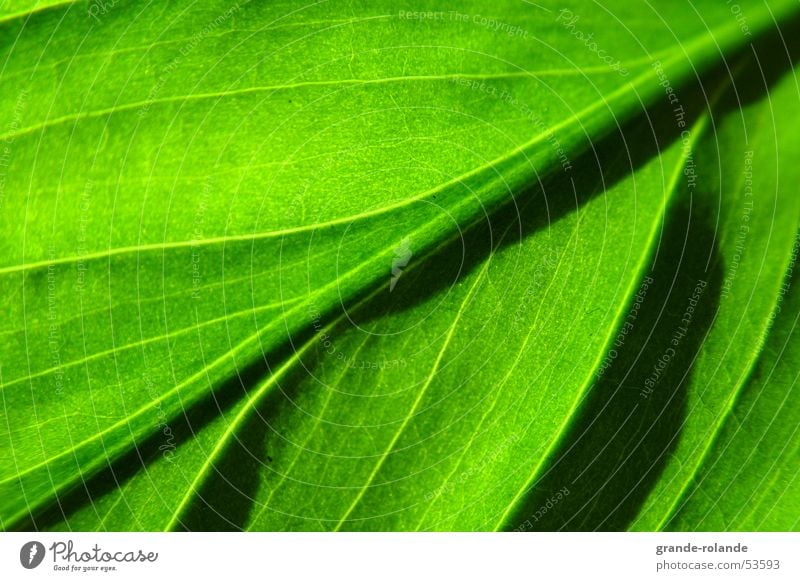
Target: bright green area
x,y
285,266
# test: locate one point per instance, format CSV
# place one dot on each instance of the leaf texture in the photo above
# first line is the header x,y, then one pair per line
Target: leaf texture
x,y
286,266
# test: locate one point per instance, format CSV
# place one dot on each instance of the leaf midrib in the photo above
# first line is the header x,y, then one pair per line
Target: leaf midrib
x,y
239,348
263,389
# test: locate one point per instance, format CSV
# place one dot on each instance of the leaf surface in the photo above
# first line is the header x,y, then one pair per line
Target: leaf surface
x,y
193,192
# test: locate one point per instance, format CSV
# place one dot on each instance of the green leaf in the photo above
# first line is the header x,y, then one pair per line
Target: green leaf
x,y
396,411
200,202
754,417
686,357
749,480
758,223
